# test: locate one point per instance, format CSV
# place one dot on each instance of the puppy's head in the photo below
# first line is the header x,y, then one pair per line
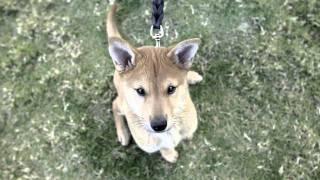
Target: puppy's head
x,y
153,81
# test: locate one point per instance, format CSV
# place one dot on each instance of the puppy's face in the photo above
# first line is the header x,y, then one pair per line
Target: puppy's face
x,y
154,81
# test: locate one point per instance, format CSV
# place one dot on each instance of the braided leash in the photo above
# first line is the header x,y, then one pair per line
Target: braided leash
x,y
157,16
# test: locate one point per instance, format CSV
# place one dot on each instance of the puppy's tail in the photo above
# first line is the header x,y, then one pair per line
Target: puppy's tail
x,y
112,30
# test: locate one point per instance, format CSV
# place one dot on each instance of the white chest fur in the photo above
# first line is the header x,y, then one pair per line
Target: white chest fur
x,y
157,141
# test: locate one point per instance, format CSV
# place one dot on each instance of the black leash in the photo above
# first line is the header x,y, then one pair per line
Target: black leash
x,y
157,17
157,13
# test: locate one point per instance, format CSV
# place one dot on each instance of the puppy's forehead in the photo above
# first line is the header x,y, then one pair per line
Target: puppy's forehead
x,y
154,65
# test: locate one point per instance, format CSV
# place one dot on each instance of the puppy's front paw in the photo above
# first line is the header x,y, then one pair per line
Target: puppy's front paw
x,y
123,136
170,155
194,77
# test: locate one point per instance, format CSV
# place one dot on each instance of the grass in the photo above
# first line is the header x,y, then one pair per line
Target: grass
x,y
258,106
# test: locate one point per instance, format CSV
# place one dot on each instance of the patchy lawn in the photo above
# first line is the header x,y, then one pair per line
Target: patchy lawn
x,y
259,103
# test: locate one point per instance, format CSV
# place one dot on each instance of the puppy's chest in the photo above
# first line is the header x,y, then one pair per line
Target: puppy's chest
x,y
162,140
169,139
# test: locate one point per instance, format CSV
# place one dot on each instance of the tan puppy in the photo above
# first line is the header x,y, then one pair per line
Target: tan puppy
x,y
153,95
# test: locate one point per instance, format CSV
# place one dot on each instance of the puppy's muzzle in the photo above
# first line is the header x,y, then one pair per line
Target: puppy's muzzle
x,y
158,123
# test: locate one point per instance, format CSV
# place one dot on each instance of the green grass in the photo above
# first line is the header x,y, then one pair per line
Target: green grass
x,y
258,106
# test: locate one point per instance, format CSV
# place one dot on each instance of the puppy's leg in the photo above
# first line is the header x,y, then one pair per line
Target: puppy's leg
x,y
190,124
123,132
170,155
193,77
189,131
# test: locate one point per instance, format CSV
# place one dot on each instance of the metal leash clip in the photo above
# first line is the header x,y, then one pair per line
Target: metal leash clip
x,y
157,36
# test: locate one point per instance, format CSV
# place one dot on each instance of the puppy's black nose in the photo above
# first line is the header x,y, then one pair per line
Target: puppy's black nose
x,y
159,123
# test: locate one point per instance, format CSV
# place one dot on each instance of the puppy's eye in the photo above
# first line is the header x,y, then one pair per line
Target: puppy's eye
x,y
171,89
141,92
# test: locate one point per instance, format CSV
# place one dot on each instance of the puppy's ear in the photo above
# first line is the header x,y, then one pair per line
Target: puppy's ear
x,y
182,54
122,54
